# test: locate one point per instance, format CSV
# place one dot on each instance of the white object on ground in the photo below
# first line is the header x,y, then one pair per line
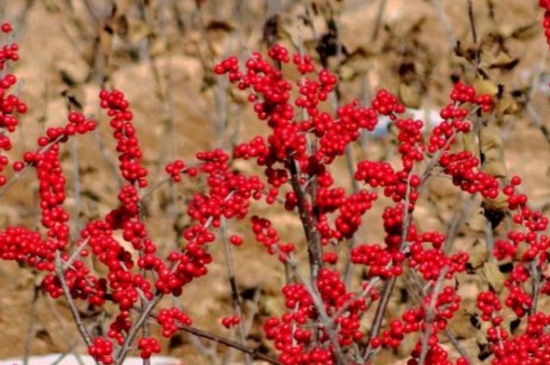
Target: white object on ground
x,y
70,359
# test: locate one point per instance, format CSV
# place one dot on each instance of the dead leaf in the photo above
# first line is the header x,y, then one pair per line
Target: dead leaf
x,y
526,32
356,63
478,255
490,144
219,25
493,275
503,61
500,203
506,105
466,50
469,143
478,221
485,86
410,96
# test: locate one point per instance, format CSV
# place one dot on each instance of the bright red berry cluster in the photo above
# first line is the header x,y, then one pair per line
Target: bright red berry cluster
x,y
545,5
10,104
324,317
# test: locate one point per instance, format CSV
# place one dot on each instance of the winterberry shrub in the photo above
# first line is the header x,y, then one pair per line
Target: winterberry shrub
x,y
324,320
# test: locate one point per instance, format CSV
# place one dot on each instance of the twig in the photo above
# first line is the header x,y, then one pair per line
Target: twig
x,y
452,228
314,247
378,21
444,22
490,240
23,14
72,306
388,288
363,294
76,252
472,21
448,333
209,352
221,104
539,122
254,353
318,303
253,311
108,158
348,267
433,162
22,172
537,75
69,351
122,352
147,194
461,350
233,285
30,329
535,285
430,314
76,184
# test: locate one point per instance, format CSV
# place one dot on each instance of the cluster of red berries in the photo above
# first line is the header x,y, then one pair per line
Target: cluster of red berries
x,y
264,232
10,104
102,350
120,326
231,321
463,168
350,212
169,319
387,104
177,168
545,5
429,261
293,333
466,94
130,153
148,346
270,94
335,134
380,262
8,51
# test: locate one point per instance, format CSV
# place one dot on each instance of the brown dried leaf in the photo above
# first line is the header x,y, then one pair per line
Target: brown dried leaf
x,y
219,25
526,32
356,63
500,203
493,275
105,40
503,61
477,222
485,86
469,143
466,50
138,31
410,96
481,334
478,255
490,144
271,305
489,138
506,105
495,167
460,325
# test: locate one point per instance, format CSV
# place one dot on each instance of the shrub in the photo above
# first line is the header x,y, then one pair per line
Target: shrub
x,y
325,306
